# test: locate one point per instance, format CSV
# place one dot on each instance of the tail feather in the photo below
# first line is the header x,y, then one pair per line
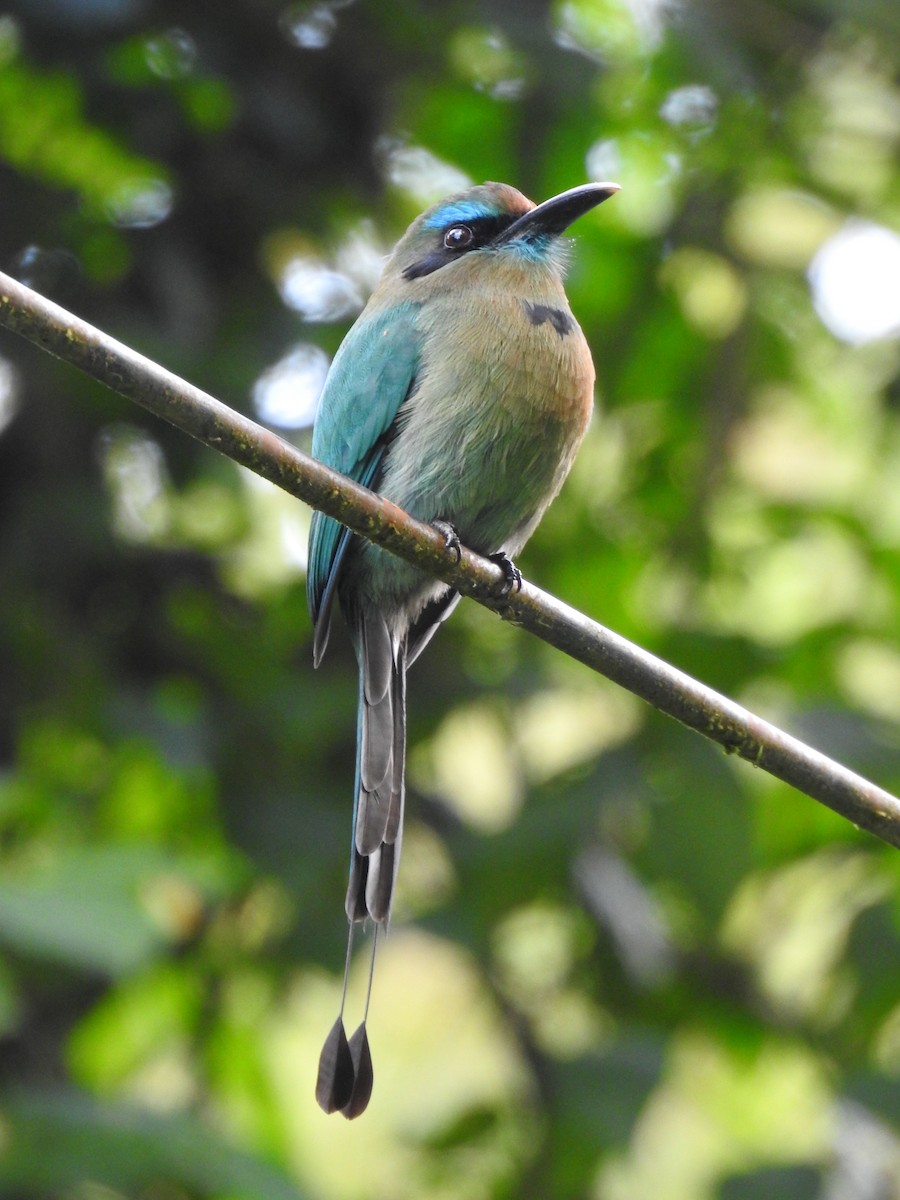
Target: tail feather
x,y
382,876
376,733
394,828
381,754
355,900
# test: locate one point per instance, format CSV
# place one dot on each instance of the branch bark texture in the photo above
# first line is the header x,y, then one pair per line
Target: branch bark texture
x,y
137,378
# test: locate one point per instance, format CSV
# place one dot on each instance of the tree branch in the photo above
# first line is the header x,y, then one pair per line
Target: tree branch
x,y
740,732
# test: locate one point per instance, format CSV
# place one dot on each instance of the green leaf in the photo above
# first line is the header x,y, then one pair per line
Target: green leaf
x,y
108,909
56,1141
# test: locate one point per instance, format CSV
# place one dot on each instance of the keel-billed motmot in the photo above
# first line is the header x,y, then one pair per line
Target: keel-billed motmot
x,y
461,394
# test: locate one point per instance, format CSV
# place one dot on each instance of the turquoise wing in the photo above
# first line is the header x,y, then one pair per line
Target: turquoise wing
x,y
372,374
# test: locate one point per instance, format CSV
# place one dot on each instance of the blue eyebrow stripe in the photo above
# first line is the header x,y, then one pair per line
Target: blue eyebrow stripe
x,y
461,210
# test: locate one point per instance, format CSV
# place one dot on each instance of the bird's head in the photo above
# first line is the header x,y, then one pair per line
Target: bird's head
x,y
491,219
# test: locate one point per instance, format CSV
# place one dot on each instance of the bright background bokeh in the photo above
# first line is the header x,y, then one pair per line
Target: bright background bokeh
x,y
623,966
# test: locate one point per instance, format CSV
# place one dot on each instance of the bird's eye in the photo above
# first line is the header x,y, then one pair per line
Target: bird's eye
x,y
458,237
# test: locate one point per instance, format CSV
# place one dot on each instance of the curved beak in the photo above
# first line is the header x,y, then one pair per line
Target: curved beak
x,y
555,215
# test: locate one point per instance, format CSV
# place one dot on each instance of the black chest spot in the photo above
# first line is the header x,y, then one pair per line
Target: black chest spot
x,y
537,314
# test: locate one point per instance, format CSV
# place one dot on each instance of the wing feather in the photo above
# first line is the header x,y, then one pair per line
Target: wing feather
x,y
373,373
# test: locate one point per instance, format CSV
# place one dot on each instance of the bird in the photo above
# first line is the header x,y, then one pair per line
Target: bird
x,y
461,394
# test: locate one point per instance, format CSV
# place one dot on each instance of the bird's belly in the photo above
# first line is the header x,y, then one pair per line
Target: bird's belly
x,y
484,445
490,438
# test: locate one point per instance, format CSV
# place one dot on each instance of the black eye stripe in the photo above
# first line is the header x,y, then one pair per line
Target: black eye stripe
x,y
483,231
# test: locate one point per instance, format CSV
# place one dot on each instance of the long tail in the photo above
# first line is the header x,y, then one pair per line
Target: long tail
x,y
380,766
345,1077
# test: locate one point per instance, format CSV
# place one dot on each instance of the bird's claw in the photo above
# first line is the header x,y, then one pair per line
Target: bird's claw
x,y
451,537
512,576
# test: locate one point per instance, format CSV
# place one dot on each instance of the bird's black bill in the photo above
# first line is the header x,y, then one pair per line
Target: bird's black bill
x,y
555,215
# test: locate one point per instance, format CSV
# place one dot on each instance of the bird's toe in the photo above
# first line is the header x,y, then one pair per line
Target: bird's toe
x,y
512,576
450,536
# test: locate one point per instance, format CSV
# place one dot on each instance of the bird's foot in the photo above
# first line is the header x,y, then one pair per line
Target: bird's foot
x,y
450,536
512,576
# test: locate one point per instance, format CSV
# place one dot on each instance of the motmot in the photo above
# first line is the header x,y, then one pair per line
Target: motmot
x,y
461,393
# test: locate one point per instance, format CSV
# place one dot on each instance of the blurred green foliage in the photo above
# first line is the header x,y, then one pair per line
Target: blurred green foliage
x,y
623,965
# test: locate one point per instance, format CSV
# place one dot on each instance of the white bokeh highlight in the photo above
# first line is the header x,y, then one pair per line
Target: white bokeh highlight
x,y
287,394
855,282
